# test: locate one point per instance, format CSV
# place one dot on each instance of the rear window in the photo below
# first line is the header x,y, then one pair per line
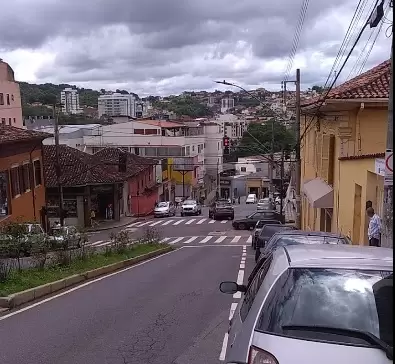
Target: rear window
x,y
303,239
262,223
337,298
270,230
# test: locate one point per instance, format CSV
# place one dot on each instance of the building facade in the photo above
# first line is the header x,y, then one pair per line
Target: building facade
x,y
70,101
117,104
227,104
340,154
10,97
22,191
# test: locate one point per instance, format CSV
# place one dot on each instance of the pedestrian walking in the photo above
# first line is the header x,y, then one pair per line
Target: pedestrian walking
x,y
374,229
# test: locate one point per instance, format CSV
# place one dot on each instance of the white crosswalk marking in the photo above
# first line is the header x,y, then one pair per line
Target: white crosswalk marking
x,y
206,239
178,222
235,239
224,221
212,222
155,223
249,240
102,244
220,239
190,240
144,223
167,222
164,240
96,242
190,221
201,221
176,240
134,224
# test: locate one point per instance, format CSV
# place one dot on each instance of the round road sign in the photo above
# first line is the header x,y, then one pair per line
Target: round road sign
x,y
388,161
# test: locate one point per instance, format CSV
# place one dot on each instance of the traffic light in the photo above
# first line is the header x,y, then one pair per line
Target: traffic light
x,y
226,142
226,151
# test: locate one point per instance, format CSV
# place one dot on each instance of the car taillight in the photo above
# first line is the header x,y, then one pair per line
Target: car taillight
x,y
259,356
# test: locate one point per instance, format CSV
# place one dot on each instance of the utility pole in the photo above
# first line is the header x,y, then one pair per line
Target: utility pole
x,y
218,182
271,164
387,218
282,185
57,166
298,169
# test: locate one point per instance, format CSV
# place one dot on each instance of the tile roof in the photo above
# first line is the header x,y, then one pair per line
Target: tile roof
x,y
81,169
161,123
373,84
362,156
10,134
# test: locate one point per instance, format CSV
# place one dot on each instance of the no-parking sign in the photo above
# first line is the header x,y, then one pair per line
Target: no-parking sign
x,y
389,170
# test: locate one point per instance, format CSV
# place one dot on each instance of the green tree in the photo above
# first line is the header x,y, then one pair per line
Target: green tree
x,y
185,105
258,139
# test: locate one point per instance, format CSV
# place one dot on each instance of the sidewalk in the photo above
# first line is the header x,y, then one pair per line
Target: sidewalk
x,y
111,224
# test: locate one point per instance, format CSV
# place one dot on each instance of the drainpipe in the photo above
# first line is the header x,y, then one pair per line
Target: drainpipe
x,y
358,131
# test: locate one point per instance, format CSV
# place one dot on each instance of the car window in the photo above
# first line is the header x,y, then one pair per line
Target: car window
x,y
162,204
253,287
189,202
269,230
304,239
339,298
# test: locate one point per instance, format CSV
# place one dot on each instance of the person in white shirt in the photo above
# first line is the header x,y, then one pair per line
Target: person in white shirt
x,y
374,229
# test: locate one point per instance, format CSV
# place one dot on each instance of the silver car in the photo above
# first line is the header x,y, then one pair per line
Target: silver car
x,y
191,207
166,208
265,204
315,304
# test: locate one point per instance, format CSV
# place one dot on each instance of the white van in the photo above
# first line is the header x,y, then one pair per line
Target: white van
x,y
251,198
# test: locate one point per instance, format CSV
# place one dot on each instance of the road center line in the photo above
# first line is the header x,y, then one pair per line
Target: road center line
x,y
240,277
232,310
224,346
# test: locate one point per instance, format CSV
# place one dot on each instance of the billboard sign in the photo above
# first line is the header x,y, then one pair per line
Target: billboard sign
x,y
183,164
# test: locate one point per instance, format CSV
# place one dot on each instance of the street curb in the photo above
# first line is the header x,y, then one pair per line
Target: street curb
x,y
112,227
17,299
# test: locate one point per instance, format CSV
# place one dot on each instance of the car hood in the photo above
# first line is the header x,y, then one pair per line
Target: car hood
x,y
191,205
161,209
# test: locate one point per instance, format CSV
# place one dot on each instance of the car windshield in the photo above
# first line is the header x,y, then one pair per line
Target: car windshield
x,y
337,298
224,204
284,240
162,204
189,202
270,230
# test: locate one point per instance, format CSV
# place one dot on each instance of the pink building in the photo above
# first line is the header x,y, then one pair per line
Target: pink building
x,y
10,97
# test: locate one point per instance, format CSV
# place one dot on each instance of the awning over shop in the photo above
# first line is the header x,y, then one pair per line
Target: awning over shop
x,y
319,193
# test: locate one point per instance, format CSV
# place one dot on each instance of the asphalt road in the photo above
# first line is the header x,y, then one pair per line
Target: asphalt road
x,y
165,311
189,226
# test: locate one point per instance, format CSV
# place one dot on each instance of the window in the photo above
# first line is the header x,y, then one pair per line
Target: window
x,y
12,97
4,208
14,121
187,151
8,99
1,99
139,131
37,172
9,121
338,298
15,182
3,120
243,169
253,288
150,132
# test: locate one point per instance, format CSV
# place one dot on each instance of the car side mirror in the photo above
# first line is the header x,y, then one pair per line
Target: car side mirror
x,y
231,287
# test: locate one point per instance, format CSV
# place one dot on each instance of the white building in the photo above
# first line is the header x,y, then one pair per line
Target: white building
x,y
70,101
232,126
227,104
117,104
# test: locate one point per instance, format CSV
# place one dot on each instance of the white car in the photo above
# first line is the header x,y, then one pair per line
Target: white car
x,y
191,207
251,198
165,208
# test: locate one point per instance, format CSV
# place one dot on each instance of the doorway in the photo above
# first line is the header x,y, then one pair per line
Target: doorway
x,y
356,234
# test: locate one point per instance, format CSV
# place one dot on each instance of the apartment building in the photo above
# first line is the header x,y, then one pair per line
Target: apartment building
x,y
10,97
341,152
227,104
232,126
117,104
70,101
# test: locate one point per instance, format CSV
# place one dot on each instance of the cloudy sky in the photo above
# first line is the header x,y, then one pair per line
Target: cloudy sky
x,y
168,46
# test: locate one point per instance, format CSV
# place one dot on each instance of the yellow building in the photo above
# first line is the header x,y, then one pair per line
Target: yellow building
x,y
342,151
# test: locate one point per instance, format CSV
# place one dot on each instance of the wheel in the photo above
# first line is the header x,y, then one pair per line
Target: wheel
x,y
237,227
242,226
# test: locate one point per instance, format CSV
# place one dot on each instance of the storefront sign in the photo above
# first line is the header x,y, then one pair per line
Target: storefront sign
x,y
224,182
379,166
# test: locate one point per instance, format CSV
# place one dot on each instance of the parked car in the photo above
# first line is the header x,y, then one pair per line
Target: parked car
x,y
221,210
251,198
324,304
265,204
295,237
165,208
258,227
65,237
191,207
250,221
265,235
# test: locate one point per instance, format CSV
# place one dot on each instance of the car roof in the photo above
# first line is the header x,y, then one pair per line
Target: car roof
x,y
338,256
311,233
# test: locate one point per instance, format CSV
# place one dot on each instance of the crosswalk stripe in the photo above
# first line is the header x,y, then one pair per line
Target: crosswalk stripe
x,y
224,221
249,240
167,222
212,222
155,223
103,244
144,223
235,239
178,222
176,240
200,221
190,221
206,239
164,240
134,224
190,240
221,238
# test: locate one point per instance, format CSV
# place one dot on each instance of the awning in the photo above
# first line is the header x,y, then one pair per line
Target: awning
x,y
319,193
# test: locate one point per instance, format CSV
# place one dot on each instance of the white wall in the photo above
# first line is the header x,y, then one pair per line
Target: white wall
x,y
213,152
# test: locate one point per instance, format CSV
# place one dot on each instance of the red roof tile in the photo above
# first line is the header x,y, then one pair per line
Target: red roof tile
x,y
362,156
10,134
373,84
81,169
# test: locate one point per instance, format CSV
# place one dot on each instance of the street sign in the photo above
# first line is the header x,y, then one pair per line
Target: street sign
x,y
389,169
